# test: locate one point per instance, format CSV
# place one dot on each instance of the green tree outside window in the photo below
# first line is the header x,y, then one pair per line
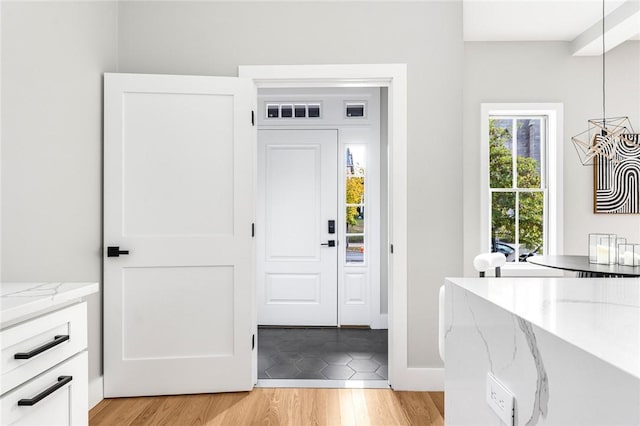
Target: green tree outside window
x,y
355,194
531,204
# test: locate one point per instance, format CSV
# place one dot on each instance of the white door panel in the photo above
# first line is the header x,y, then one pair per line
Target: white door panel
x,y
179,308
293,176
297,187
154,299
154,192
355,289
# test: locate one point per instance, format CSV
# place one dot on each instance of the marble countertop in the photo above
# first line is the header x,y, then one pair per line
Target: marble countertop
x,y
22,299
598,315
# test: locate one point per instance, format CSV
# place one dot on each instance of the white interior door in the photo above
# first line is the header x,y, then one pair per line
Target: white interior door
x,y
179,313
297,197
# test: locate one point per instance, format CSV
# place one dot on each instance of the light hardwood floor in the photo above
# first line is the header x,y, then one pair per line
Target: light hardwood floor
x,y
276,406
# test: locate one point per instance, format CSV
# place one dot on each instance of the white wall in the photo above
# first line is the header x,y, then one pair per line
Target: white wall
x,y
214,38
546,72
53,57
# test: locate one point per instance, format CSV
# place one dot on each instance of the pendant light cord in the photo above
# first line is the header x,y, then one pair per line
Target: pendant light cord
x,y
603,70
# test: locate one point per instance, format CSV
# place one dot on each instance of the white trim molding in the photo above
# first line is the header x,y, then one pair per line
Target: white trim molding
x,y
96,393
381,322
554,178
393,77
422,379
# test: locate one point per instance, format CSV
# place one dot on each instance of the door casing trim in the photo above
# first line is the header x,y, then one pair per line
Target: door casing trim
x,y
394,78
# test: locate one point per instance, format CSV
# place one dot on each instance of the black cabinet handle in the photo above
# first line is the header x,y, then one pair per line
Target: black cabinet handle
x,y
62,380
330,243
55,342
115,251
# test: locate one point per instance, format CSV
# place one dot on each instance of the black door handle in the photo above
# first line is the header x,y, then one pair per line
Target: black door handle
x,y
115,251
330,243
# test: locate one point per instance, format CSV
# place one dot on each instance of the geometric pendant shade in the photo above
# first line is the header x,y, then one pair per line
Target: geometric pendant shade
x,y
606,139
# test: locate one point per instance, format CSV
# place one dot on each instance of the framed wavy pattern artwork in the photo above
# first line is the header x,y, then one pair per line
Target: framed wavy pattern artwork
x,y
617,177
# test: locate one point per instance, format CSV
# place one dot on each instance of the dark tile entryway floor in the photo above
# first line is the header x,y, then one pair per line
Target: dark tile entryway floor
x,y
322,353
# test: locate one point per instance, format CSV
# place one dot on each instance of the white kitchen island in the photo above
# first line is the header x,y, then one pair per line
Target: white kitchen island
x,y
567,349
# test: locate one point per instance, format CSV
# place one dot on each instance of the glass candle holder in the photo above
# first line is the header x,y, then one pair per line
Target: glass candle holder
x,y
619,241
602,249
629,254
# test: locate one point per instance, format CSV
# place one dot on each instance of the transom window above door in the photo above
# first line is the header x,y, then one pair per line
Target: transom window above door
x,y
293,110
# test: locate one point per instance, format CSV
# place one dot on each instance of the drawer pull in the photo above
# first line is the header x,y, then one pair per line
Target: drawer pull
x,y
62,380
55,342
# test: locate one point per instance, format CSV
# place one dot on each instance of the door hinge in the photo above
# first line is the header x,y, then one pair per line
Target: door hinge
x,y
391,248
253,118
253,230
253,342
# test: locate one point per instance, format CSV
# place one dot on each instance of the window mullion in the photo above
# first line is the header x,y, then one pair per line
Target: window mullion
x,y
516,241
544,169
545,222
516,207
514,152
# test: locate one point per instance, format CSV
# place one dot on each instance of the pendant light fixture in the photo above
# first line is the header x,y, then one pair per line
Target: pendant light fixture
x,y
606,138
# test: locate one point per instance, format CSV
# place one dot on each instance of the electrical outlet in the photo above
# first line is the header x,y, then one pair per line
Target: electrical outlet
x,y
500,399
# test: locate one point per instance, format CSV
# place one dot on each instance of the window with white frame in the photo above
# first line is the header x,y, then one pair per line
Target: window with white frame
x,y
355,172
522,180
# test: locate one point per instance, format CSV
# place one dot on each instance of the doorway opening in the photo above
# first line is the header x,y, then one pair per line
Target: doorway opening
x,y
319,209
318,261
392,80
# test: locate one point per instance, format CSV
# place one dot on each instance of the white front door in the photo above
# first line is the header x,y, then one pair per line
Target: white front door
x,y
297,197
179,313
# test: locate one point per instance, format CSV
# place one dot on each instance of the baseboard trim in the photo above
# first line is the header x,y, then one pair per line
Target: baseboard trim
x,y
419,379
384,320
96,391
380,322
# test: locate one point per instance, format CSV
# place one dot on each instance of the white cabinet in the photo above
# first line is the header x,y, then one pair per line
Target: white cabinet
x,y
43,363
32,347
57,397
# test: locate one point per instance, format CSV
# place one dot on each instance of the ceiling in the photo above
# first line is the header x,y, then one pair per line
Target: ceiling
x,y
577,21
